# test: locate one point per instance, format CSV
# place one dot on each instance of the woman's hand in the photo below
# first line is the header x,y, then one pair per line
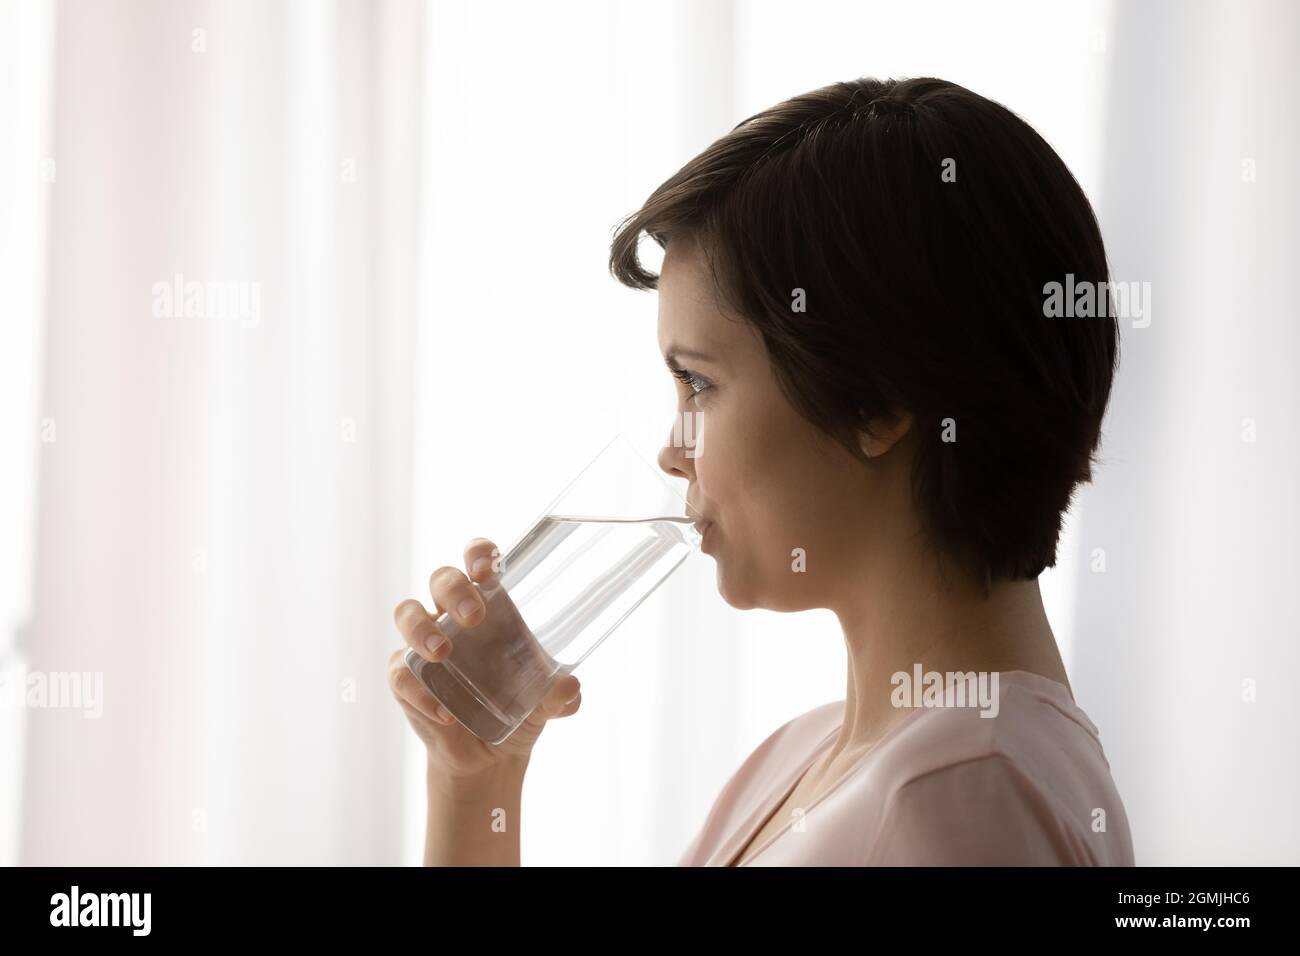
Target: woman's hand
x,y
454,752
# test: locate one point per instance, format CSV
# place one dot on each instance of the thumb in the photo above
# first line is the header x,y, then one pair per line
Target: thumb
x,y
560,700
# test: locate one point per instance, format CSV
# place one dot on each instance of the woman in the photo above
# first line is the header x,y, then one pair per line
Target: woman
x,y
890,424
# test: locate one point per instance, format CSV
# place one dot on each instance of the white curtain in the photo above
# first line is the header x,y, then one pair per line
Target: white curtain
x,y
225,504
26,168
1187,642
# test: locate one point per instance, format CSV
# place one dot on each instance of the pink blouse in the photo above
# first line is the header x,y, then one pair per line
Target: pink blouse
x,y
944,787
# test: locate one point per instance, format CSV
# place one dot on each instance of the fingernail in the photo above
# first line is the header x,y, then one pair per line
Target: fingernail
x,y
481,565
466,607
434,644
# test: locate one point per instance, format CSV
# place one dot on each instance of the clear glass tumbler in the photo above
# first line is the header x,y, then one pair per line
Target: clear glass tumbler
x,y
612,536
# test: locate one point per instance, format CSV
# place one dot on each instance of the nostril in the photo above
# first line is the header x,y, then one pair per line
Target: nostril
x,y
670,461
665,460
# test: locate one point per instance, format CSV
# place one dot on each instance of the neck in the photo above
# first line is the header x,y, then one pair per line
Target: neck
x,y
910,616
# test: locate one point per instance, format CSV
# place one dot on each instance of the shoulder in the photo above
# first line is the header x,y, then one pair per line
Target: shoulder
x,y
788,744
1028,786
763,771
783,749
797,735
981,812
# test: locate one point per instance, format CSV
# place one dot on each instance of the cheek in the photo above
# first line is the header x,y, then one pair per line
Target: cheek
x,y
715,455
745,486
747,463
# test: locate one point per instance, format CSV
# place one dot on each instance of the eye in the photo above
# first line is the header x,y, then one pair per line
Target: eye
x,y
690,380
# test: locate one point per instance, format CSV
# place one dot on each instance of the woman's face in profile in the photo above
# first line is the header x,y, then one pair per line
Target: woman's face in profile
x,y
792,513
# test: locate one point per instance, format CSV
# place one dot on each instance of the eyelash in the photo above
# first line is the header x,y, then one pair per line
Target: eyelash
x,y
687,377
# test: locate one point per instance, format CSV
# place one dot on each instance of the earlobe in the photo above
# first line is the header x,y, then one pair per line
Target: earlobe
x,y
886,431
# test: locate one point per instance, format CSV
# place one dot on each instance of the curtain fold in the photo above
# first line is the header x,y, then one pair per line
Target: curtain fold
x,y
1186,599
231,314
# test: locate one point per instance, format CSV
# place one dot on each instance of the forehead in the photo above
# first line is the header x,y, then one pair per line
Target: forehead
x,y
690,316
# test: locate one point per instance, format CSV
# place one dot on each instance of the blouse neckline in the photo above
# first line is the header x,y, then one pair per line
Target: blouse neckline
x,y
729,852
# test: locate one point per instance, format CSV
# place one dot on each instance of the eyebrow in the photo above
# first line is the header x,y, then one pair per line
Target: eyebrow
x,y
674,353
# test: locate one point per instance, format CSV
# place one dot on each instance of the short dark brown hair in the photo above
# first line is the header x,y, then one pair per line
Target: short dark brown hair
x,y
923,223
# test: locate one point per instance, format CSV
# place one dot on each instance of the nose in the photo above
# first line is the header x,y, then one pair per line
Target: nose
x,y
676,457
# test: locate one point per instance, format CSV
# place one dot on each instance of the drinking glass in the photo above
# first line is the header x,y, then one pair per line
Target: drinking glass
x,y
606,541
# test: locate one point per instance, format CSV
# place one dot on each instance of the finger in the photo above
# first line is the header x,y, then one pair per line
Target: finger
x,y
421,721
414,695
482,559
571,707
561,694
454,592
420,632
408,689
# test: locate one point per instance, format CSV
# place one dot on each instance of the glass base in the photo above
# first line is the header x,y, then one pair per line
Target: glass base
x,y
479,718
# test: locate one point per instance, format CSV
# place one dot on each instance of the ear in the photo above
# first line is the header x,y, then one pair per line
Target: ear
x,y
886,431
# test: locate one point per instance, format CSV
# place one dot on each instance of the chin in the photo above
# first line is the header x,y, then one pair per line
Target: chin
x,y
740,605
748,598
742,599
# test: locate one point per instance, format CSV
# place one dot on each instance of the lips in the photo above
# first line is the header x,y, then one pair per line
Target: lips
x,y
703,527
701,523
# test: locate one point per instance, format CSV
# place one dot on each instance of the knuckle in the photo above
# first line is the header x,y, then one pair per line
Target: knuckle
x,y
395,679
404,684
402,613
444,579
